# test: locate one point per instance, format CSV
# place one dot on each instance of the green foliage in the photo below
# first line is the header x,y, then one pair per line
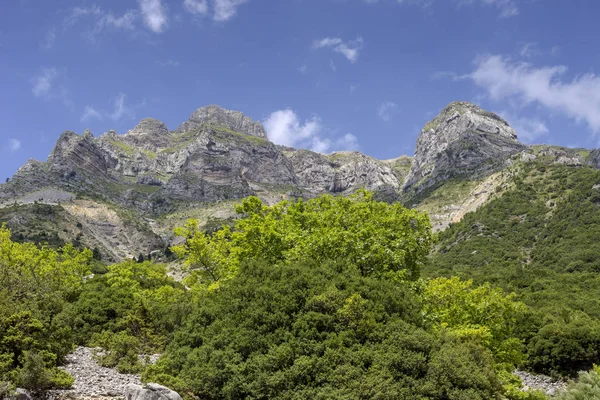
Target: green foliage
x,y
319,330
35,285
132,300
587,387
46,307
538,239
378,238
483,314
121,351
566,346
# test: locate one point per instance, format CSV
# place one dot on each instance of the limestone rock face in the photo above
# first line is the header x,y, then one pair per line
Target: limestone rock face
x,y
149,133
73,152
594,158
342,172
234,120
463,139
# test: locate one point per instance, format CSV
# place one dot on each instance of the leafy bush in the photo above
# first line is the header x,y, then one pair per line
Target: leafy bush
x,y
587,387
38,373
319,330
121,351
566,346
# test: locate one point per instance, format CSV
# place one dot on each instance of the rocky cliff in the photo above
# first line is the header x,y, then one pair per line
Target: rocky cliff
x,y
463,140
124,192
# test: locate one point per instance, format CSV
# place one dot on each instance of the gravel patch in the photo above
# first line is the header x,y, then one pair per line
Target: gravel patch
x,y
93,381
544,383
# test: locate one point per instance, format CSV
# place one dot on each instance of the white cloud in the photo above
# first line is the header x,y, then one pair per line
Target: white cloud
x,y
47,85
533,49
42,84
529,50
103,20
320,145
196,7
49,40
14,145
332,65
386,109
350,49
124,22
507,8
90,113
155,15
303,68
285,128
503,79
78,12
120,109
226,9
347,142
528,129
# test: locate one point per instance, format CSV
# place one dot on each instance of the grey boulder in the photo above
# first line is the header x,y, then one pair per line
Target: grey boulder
x,y
152,391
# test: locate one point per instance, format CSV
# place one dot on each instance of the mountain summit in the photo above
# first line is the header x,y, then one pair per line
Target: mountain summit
x,y
123,193
215,115
462,140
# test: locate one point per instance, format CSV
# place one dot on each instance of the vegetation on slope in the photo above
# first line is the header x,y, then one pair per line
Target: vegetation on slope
x,y
315,299
539,240
321,299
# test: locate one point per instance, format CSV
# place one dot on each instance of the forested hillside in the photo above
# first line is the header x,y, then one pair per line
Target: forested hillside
x,y
540,240
309,299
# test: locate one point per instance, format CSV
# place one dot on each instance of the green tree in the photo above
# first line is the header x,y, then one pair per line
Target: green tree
x,y
378,238
482,313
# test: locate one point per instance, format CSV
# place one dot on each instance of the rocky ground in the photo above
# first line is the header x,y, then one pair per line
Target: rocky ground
x,y
93,381
541,382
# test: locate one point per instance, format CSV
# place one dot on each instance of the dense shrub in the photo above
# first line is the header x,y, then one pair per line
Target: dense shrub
x,y
319,330
586,387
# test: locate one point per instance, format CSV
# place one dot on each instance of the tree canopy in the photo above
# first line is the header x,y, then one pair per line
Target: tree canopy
x,y
380,239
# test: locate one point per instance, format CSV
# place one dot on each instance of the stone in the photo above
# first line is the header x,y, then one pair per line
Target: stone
x,y
222,155
544,383
152,391
22,394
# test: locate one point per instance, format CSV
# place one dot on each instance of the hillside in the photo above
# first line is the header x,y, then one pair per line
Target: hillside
x,y
538,238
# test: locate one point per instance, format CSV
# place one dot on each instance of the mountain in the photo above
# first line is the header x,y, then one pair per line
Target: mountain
x,y
123,193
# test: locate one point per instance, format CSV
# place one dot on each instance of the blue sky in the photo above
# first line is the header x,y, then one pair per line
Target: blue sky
x,y
320,74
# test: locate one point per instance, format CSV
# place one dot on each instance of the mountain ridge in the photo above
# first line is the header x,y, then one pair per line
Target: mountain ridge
x,y
217,156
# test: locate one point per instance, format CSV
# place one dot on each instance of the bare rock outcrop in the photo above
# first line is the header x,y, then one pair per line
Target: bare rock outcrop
x,y
342,172
462,140
234,120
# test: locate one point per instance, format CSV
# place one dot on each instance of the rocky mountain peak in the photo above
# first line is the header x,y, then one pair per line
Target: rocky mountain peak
x,y
233,120
150,126
462,138
461,116
87,134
